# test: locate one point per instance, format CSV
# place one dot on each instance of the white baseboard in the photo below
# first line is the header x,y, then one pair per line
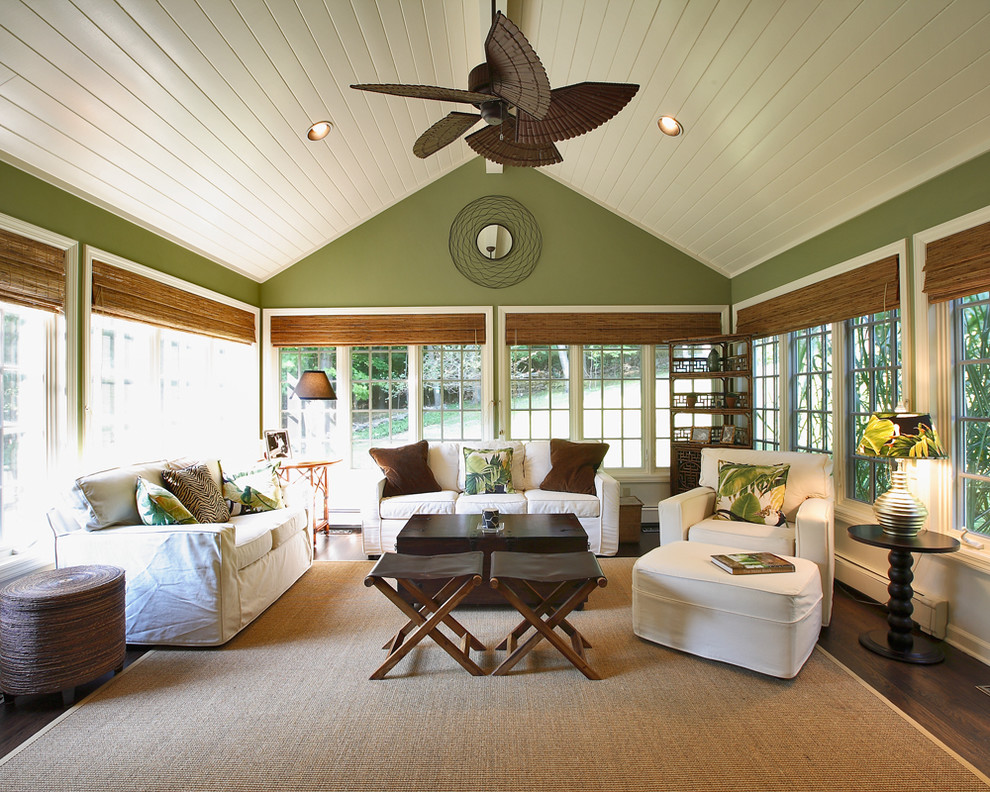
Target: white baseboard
x,y
969,644
932,615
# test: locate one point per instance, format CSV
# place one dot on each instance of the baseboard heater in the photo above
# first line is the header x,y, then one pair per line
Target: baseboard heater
x,y
932,615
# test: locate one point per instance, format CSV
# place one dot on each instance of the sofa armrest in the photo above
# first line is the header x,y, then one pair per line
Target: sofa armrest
x,y
607,490
679,512
371,497
814,539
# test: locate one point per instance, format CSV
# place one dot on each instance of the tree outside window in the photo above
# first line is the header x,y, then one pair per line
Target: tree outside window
x,y
811,389
452,392
539,383
972,388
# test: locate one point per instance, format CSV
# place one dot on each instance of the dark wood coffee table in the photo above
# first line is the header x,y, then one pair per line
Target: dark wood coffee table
x,y
433,534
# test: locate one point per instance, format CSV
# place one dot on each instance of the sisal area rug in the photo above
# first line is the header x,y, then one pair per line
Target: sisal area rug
x,y
287,705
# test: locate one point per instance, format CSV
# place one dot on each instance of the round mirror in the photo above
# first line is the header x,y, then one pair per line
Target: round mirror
x,y
494,242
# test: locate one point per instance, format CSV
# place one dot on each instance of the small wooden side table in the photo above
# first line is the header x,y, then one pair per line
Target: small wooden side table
x,y
897,642
315,472
630,518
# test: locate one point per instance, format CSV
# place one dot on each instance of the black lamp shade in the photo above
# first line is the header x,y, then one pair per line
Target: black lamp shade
x,y
314,384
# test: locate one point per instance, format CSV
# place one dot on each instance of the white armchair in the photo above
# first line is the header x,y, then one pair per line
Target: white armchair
x,y
808,507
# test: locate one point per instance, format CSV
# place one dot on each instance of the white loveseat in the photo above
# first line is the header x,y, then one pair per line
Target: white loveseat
x,y
808,509
187,585
383,518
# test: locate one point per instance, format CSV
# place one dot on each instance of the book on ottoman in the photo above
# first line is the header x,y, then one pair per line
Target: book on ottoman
x,y
752,563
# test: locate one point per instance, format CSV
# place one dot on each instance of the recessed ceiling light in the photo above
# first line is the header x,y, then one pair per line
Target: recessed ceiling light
x,y
319,130
670,126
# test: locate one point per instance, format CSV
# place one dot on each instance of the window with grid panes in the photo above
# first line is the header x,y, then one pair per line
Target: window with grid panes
x,y
873,369
971,384
811,389
612,401
766,395
539,385
379,399
311,423
452,392
661,399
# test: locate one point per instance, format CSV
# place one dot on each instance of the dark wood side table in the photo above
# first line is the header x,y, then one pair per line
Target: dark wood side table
x,y
897,642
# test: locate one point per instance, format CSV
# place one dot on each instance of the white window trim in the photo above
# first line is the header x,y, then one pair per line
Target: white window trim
x,y
649,473
935,390
270,368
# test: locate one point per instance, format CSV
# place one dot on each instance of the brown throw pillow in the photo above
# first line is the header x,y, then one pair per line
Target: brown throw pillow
x,y
573,466
405,468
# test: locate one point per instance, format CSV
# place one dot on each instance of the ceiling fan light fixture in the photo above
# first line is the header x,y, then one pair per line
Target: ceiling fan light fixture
x,y
670,126
319,130
491,112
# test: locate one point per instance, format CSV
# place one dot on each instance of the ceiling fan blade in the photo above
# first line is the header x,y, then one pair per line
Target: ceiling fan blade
x,y
497,143
575,110
516,72
426,92
443,133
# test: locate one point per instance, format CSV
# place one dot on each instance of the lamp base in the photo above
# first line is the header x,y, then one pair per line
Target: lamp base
x,y
898,511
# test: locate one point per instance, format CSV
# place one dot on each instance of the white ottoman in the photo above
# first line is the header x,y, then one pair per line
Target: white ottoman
x,y
768,623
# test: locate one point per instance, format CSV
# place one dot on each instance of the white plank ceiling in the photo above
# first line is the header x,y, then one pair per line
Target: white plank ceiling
x,y
189,116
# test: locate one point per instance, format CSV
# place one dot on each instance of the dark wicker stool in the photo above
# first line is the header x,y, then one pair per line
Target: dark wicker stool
x,y
576,576
61,628
462,571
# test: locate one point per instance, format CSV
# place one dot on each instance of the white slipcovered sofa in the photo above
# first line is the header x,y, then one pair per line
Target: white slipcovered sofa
x,y
382,518
187,585
808,509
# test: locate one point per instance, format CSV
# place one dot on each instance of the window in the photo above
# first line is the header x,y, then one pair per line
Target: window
x,y
971,324
311,423
612,402
661,403
452,389
873,354
379,399
811,389
539,381
766,395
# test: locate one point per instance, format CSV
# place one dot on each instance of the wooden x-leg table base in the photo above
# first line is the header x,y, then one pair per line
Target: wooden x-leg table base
x,y
579,571
426,614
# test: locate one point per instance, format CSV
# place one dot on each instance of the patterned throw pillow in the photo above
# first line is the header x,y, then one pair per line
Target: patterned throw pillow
x,y
487,471
254,490
158,506
197,490
751,493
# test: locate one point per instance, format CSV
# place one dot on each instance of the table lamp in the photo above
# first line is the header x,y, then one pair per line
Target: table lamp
x,y
314,384
900,436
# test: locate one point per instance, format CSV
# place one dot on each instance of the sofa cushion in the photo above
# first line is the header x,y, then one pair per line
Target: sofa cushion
x,y
518,457
108,497
402,507
199,493
745,535
487,471
751,493
252,539
253,490
549,502
573,466
406,469
158,506
514,503
283,524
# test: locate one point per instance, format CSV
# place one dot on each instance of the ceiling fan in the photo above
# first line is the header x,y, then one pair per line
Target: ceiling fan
x,y
513,95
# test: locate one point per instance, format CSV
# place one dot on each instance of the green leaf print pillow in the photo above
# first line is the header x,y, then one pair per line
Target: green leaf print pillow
x,y
158,506
487,471
751,493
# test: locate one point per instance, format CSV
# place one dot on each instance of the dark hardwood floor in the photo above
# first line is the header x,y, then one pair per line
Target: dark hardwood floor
x,y
943,698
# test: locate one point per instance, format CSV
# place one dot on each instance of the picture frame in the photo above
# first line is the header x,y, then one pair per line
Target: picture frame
x,y
729,435
277,444
701,434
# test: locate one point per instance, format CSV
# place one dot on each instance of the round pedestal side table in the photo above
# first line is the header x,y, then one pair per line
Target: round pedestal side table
x,y
61,628
897,642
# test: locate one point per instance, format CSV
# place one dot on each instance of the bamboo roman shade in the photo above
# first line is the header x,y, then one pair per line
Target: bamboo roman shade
x,y
377,329
865,290
32,273
958,265
607,328
126,295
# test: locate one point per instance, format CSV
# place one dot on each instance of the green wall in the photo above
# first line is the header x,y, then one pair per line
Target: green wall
x,y
952,194
36,201
590,256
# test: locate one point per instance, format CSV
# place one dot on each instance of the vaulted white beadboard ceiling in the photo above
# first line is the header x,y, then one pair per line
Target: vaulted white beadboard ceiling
x,y
189,116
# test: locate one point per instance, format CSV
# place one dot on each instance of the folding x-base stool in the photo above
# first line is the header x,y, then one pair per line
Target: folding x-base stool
x,y
569,570
426,614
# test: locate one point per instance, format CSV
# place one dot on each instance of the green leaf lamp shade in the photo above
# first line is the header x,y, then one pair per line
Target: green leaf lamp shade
x,y
900,436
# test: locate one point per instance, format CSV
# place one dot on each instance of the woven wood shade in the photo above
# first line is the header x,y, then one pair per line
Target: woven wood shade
x,y
958,265
32,273
607,328
377,330
866,290
127,295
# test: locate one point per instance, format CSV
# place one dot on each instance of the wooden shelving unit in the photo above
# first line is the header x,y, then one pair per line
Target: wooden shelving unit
x,y
711,390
